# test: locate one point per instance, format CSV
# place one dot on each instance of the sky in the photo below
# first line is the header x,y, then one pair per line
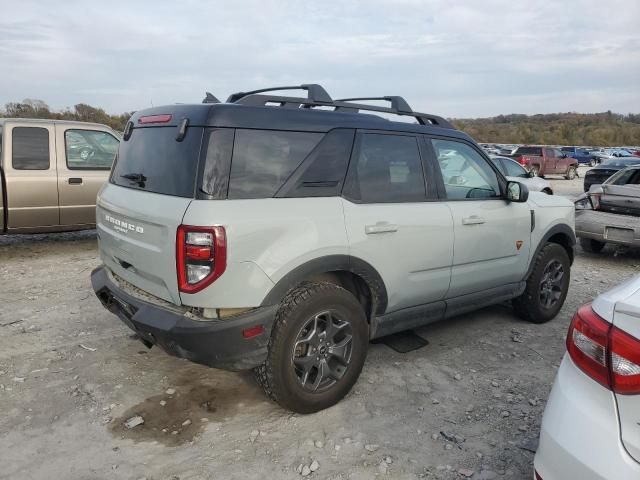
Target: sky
x,y
455,58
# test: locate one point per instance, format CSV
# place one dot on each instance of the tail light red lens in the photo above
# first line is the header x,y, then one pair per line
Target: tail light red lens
x,y
522,160
604,352
201,256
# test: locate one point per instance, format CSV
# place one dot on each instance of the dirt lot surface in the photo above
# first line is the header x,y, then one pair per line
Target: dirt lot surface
x,y
468,405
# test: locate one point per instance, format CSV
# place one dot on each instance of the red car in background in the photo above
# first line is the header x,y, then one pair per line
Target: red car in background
x,y
543,161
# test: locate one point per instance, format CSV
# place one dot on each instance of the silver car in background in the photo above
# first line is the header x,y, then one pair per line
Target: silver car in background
x,y
517,173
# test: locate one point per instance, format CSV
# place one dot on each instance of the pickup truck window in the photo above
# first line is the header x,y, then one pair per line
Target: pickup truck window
x,y
529,151
89,149
30,148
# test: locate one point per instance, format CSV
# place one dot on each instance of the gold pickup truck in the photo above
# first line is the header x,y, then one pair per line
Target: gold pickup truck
x,y
50,173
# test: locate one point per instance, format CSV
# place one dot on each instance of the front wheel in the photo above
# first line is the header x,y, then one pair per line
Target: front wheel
x,y
571,173
317,349
547,285
592,162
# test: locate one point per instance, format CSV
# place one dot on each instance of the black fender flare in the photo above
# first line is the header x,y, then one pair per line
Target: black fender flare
x,y
328,264
561,229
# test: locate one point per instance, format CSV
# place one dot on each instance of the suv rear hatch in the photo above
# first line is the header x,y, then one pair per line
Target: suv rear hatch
x,y
152,183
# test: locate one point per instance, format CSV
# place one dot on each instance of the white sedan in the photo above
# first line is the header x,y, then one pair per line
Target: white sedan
x,y
591,424
517,173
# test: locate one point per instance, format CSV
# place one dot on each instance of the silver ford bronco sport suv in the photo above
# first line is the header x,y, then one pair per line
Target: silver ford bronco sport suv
x,y
282,234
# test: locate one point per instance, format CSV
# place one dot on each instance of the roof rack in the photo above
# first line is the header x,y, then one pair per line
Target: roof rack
x,y
315,93
318,97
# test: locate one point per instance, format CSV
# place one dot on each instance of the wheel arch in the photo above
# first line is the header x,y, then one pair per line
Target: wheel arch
x,y
560,234
354,274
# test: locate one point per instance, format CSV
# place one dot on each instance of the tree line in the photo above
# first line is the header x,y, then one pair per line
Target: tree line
x,y
601,129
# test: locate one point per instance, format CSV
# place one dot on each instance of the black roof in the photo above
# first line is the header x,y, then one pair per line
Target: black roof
x,y
316,113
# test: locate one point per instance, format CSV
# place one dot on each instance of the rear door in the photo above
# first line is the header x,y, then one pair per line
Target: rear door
x,y
550,161
394,222
491,236
30,175
84,159
139,210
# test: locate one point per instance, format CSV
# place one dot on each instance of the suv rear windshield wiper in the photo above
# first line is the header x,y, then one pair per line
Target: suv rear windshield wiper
x,y
136,178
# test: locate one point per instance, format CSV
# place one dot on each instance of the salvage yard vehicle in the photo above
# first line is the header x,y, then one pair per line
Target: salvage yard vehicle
x,y
582,155
284,233
513,171
590,426
599,174
50,173
541,161
610,213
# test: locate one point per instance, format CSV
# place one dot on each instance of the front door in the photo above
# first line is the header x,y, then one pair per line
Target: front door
x,y
491,235
30,174
393,220
85,157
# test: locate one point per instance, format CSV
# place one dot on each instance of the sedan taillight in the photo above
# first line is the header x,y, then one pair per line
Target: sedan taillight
x,y
201,256
607,354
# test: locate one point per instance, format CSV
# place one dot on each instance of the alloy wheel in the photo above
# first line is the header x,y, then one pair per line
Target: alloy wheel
x,y
551,284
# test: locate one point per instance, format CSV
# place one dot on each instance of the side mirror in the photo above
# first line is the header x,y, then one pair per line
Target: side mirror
x,y
563,155
517,192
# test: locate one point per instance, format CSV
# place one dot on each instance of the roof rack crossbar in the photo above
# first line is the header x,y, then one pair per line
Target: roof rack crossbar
x,y
315,92
397,103
255,100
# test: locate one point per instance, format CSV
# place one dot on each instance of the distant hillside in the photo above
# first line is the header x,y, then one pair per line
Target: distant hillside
x,y
602,129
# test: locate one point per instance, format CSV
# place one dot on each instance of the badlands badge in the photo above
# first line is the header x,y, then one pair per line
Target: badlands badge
x,y
519,244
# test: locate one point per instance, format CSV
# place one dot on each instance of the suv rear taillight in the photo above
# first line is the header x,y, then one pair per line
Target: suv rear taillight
x,y
201,256
604,352
522,160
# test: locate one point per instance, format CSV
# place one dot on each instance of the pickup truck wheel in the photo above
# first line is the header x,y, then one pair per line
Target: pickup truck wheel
x,y
534,171
590,245
571,173
592,162
317,348
547,285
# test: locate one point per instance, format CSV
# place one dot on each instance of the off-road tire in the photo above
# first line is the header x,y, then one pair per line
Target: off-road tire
x,y
528,305
590,245
571,173
277,376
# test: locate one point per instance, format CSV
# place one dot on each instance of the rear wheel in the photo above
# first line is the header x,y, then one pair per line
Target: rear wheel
x,y
571,173
317,349
547,285
534,171
590,245
592,162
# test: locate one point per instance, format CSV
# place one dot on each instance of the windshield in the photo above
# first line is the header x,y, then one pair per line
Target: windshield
x,y
621,162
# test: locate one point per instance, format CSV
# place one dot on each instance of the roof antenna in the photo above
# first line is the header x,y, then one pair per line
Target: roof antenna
x,y
210,98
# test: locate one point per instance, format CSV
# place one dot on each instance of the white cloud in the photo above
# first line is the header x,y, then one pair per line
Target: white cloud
x,y
463,58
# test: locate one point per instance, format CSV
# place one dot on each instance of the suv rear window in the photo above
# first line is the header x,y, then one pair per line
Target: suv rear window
x,y
529,151
152,160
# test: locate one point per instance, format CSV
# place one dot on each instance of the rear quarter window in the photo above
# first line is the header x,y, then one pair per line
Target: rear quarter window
x,y
263,160
30,148
529,151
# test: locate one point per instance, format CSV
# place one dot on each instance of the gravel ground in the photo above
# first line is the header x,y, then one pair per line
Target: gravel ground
x,y
467,405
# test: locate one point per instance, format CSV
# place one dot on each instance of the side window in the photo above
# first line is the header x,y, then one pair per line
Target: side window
x,y
264,159
30,148
465,172
89,149
215,176
549,152
386,169
514,170
557,153
322,173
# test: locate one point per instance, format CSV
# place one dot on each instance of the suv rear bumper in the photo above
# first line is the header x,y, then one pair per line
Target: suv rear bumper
x,y
217,343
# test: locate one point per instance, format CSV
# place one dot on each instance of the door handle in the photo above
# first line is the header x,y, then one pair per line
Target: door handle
x,y
75,181
380,227
473,220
